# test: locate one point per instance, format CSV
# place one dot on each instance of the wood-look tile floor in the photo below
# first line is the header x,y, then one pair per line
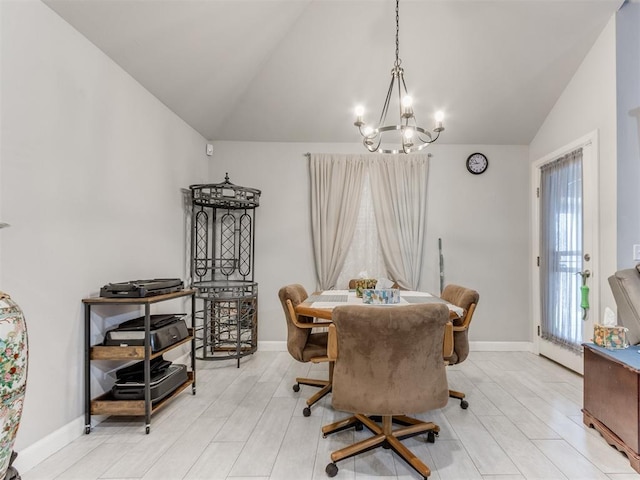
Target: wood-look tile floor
x,y
523,422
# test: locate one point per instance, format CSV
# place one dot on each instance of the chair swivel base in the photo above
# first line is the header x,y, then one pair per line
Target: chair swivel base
x,y
325,388
384,436
460,396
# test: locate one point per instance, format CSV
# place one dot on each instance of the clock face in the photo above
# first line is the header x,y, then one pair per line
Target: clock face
x,y
477,163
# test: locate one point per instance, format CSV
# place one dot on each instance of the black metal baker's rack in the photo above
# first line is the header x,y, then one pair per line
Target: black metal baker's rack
x,y
222,261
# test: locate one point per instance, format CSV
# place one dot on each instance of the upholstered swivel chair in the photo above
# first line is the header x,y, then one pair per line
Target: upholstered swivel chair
x,y
382,355
467,299
303,344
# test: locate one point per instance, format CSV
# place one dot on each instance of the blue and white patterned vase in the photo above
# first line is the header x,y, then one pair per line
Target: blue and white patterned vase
x,y
13,379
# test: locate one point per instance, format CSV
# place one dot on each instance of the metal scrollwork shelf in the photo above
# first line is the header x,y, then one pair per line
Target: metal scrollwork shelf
x,y
222,260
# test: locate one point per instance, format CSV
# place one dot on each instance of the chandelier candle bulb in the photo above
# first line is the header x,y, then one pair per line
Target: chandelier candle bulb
x,y
407,111
359,114
439,119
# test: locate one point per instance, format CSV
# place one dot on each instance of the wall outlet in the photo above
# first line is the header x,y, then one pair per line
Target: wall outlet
x,y
209,149
636,252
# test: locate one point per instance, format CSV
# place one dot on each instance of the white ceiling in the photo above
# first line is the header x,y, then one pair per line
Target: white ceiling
x,y
293,70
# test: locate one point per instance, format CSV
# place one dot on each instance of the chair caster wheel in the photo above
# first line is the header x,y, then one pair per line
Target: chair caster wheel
x,y
431,436
359,427
331,469
306,411
296,387
147,429
464,404
87,430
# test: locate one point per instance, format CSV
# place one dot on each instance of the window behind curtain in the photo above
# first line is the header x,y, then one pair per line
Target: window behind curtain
x,y
364,254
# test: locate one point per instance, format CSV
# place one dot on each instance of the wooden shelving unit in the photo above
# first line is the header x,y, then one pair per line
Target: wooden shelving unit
x,y
105,404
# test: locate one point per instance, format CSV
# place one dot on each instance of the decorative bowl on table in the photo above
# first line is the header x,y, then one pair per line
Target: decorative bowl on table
x,y
381,296
364,283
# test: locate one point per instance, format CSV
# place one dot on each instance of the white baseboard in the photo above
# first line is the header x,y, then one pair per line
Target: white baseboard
x,y
39,451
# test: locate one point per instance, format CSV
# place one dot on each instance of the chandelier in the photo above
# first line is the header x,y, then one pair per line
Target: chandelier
x,y
405,136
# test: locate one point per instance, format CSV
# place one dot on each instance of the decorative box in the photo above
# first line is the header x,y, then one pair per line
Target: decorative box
x,y
381,297
610,337
363,283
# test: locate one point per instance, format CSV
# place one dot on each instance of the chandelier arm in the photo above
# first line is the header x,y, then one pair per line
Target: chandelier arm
x,y
385,108
370,147
404,83
400,78
421,131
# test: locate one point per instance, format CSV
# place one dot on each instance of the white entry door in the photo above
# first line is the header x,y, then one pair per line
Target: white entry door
x,y
565,286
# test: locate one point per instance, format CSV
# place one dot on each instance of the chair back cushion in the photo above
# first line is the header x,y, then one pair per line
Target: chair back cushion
x,y
463,298
390,359
460,296
625,286
296,337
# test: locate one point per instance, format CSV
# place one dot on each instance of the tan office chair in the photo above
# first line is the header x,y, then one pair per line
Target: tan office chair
x,y
303,344
467,299
381,357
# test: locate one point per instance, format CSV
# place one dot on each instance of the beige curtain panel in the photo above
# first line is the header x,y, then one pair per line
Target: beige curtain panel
x,y
399,191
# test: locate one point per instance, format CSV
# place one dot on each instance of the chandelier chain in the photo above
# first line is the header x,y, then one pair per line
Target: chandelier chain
x,y
398,61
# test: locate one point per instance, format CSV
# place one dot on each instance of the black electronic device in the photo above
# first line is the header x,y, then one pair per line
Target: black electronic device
x,y
141,288
163,382
164,331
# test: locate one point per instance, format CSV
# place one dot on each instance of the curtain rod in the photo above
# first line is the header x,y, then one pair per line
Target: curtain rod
x,y
308,154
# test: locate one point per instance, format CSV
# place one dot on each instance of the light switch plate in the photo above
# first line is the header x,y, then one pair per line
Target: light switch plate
x,y
209,149
636,252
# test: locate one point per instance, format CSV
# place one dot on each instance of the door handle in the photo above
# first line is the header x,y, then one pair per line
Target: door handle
x,y
584,293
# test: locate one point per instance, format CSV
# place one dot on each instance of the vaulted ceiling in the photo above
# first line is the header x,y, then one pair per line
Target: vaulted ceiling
x,y
293,70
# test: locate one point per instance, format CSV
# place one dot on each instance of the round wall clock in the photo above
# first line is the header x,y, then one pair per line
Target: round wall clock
x,y
477,163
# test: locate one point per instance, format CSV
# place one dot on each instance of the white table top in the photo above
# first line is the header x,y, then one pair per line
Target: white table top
x,y
335,298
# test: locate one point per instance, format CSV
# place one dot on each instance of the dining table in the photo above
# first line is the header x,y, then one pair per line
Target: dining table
x,y
321,304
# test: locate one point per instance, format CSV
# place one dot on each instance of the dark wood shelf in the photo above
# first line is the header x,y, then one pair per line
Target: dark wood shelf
x,y
137,301
134,352
105,404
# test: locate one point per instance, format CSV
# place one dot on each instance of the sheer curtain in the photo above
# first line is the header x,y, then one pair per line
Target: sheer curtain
x,y
399,184
365,252
561,250
336,186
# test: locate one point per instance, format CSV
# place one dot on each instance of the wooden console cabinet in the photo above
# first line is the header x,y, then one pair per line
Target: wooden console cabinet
x,y
612,397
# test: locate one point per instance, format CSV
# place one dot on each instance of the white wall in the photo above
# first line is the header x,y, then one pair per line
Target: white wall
x,y
483,221
587,104
92,167
628,94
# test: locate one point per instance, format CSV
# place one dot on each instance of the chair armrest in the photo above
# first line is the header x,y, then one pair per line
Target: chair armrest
x,y
313,324
447,347
332,344
294,318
